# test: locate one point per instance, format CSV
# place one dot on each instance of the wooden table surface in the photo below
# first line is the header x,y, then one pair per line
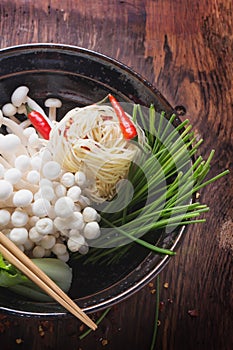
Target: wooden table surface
x,y
185,49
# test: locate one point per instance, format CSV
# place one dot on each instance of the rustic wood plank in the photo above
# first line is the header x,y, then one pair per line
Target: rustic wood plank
x,y
185,49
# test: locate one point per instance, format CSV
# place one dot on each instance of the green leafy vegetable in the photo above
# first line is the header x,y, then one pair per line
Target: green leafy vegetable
x,y
165,183
9,275
13,279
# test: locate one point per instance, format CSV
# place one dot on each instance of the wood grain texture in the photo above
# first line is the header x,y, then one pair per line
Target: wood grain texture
x,y
185,49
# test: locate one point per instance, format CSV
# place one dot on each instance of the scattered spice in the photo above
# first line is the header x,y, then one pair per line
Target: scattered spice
x,y
97,322
151,287
193,313
4,323
19,341
104,342
41,331
166,285
161,305
226,236
81,328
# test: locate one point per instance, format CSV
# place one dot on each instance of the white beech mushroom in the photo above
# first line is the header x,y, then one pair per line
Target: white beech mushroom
x,y
18,235
22,162
74,193
38,252
9,110
5,217
12,175
64,207
34,235
48,241
75,242
76,221
19,218
19,96
59,249
64,257
33,176
51,170
22,198
91,230
6,189
89,214
80,178
41,207
44,226
14,127
67,179
53,104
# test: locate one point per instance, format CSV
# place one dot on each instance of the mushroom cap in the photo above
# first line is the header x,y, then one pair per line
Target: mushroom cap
x,y
19,96
6,189
9,143
9,110
53,102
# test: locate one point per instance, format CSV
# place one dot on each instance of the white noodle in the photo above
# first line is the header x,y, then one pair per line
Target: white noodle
x,y
89,139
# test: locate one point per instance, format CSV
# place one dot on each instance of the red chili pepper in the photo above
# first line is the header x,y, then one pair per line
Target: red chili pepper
x,y
128,128
39,122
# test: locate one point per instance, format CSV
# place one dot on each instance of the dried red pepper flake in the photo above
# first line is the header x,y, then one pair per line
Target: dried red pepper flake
x,y
4,324
81,328
47,326
41,331
104,342
193,313
161,305
106,117
85,147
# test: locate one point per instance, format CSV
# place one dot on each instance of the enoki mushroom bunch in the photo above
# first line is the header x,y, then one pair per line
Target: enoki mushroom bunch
x,y
90,140
43,209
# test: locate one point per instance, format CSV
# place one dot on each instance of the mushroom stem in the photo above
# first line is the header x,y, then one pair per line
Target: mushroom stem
x,y
25,123
15,128
9,158
14,119
5,163
25,185
52,113
53,103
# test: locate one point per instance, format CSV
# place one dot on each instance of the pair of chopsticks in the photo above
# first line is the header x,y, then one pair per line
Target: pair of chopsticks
x,y
16,257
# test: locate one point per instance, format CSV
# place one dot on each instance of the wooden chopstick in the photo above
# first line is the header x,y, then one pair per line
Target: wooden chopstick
x,y
15,256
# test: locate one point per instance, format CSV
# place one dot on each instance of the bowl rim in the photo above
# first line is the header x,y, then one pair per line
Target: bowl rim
x,y
75,49
165,259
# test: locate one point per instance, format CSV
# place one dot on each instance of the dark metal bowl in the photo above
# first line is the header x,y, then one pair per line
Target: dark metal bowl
x,y
81,77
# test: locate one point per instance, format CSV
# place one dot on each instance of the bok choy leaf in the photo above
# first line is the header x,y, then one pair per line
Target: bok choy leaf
x,y
16,281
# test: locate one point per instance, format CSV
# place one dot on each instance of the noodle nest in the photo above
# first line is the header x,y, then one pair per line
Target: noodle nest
x,y
89,139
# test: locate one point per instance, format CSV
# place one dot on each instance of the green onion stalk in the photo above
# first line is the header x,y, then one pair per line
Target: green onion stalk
x,y
165,182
